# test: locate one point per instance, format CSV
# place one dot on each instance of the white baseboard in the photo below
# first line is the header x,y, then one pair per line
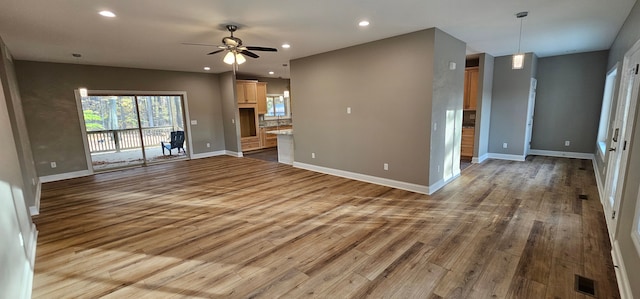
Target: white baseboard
x,y
234,154
208,154
621,272
587,156
441,183
35,210
598,181
64,176
506,157
366,178
480,159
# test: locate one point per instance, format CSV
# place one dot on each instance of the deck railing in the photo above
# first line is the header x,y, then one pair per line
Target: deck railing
x,y
117,140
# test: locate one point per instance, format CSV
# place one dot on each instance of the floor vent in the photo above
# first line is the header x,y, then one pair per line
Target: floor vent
x,y
585,285
583,196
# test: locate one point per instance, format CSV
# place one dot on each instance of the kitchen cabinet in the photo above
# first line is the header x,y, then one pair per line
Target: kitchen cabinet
x,y
246,92
271,140
466,147
471,75
261,97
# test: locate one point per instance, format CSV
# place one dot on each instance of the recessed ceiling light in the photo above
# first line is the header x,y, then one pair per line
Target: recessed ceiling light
x,y
363,23
108,14
206,68
286,46
271,72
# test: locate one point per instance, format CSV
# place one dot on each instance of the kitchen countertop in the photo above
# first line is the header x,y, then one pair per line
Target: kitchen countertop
x,y
281,132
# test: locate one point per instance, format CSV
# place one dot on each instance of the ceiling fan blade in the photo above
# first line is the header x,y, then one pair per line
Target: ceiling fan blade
x,y
250,54
197,44
216,51
262,49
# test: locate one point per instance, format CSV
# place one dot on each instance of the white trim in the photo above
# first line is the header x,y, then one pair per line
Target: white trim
x,y
441,183
480,159
519,158
83,129
208,154
35,210
621,272
575,155
598,181
366,178
234,154
65,176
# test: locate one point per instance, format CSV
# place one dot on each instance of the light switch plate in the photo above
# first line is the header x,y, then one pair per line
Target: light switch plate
x,y
194,122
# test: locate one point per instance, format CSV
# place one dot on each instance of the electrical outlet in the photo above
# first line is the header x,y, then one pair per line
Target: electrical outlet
x,y
313,155
567,143
233,120
505,145
385,166
208,144
54,165
435,126
348,110
194,122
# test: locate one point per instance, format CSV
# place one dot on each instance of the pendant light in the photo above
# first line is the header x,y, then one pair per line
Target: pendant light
x,y
517,62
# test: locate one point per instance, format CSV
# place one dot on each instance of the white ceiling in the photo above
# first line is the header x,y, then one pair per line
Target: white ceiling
x,y
150,33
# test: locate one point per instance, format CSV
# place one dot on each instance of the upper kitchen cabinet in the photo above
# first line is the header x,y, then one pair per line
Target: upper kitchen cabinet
x,y
261,92
470,88
246,92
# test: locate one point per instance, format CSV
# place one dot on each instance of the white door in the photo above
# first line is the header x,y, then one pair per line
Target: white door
x,y
619,143
530,108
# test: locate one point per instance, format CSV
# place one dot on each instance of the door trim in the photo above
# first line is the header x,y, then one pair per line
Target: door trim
x,y
181,93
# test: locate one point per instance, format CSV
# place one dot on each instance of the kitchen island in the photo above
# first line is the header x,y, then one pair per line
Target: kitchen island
x,y
285,145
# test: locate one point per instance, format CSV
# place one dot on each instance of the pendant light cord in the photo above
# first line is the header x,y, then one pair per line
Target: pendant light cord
x,y
520,39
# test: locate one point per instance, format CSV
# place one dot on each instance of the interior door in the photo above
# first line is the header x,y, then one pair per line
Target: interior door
x,y
530,111
619,143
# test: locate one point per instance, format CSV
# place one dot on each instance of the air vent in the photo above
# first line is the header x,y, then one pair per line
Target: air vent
x,y
583,196
585,286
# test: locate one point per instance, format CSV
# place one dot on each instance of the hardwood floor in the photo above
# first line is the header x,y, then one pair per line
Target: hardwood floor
x,y
244,228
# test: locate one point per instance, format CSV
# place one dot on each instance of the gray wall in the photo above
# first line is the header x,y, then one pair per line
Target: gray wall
x,y
509,105
14,217
390,101
483,110
52,119
230,113
18,126
568,102
446,107
627,37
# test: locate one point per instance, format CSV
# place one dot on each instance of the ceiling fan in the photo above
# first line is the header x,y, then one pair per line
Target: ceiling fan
x,y
235,49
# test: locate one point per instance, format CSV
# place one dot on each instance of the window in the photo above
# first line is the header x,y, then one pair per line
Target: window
x,y
607,98
278,106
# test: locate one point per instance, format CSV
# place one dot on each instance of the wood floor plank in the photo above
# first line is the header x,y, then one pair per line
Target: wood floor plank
x,y
229,227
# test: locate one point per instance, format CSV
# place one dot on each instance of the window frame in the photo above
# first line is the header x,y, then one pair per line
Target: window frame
x,y
287,107
605,113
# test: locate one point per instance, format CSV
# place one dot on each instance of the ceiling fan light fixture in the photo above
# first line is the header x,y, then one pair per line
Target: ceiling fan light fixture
x,y
229,58
240,59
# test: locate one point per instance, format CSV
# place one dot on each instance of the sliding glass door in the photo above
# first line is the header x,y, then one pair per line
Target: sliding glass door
x,y
128,130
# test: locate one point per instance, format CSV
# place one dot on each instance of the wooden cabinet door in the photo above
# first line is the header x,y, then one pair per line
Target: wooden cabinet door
x,y
240,93
473,88
261,93
246,92
470,88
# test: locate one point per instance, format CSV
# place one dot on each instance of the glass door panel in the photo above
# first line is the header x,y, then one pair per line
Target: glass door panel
x,y
159,117
112,131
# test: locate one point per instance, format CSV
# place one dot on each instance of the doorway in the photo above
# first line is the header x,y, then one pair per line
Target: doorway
x,y
622,128
131,130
